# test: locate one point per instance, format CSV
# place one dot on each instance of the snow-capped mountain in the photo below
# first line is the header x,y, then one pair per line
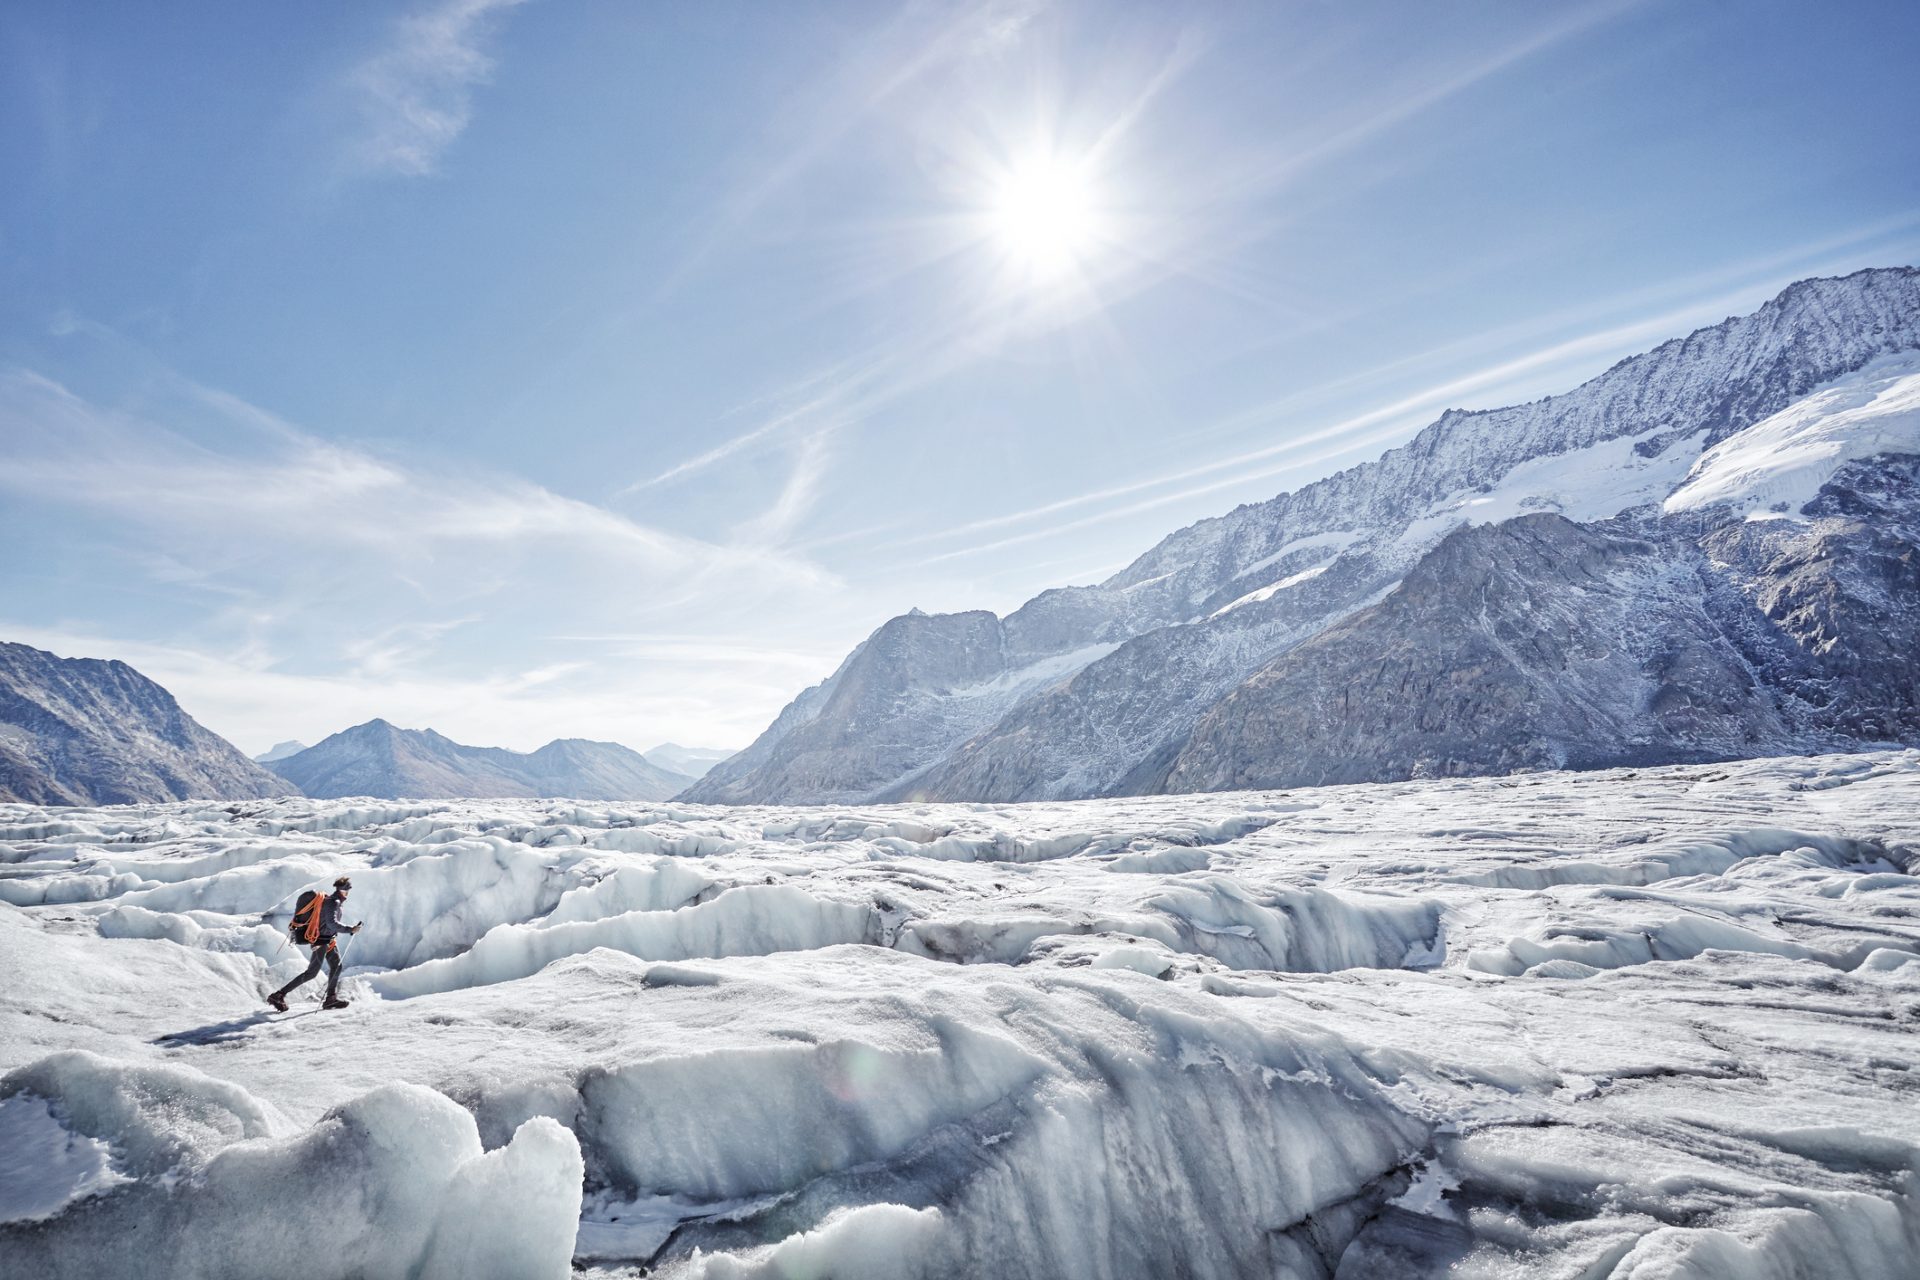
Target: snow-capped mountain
x,y
280,751
378,759
87,731
1541,643
694,762
1101,690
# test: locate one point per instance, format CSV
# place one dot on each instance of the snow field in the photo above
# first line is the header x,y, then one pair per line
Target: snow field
x,y
1779,463
1635,1023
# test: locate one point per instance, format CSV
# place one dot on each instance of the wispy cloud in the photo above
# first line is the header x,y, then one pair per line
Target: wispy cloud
x,y
292,489
414,96
316,553
874,74
515,706
398,647
1333,138
302,584
1301,454
823,395
772,527
1184,243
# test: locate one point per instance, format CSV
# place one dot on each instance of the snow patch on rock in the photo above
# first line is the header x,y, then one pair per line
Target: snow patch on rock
x,y
1778,464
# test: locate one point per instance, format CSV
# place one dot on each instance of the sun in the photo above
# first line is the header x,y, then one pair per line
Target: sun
x,y
1045,214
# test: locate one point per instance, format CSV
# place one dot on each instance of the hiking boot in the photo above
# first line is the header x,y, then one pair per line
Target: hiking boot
x,y
278,1001
334,1002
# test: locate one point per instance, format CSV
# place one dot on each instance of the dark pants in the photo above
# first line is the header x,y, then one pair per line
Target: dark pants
x,y
326,952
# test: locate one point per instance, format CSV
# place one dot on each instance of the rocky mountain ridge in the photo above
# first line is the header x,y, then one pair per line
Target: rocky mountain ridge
x,y
382,760
1624,642
84,731
1099,690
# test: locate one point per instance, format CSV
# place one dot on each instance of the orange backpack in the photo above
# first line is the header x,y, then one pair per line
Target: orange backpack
x,y
306,918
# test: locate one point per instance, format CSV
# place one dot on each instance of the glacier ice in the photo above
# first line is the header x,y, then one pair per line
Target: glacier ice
x,y
392,1183
1650,1023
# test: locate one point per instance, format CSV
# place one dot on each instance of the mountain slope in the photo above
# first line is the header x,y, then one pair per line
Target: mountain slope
x,y
694,762
1541,644
86,731
1095,690
378,759
585,770
280,751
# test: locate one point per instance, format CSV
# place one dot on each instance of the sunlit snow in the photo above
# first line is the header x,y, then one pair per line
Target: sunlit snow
x,y
1778,464
1654,1023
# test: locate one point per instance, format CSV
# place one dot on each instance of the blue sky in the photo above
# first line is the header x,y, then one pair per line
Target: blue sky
x,y
571,368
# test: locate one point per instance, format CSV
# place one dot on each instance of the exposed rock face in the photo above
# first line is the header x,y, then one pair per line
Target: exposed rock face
x,y
1106,729
377,759
1528,644
87,731
1097,690
1846,590
918,676
1540,643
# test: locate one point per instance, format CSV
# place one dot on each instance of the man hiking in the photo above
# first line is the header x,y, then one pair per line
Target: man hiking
x,y
316,922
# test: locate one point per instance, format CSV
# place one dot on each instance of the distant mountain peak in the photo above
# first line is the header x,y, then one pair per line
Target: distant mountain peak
x,y
380,759
692,762
87,731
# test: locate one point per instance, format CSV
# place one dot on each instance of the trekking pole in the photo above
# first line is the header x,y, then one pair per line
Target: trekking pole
x,y
339,941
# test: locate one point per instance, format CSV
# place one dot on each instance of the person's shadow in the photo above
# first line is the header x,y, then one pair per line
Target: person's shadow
x,y
221,1032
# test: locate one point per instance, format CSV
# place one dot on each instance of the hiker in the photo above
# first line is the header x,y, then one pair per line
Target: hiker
x,y
316,921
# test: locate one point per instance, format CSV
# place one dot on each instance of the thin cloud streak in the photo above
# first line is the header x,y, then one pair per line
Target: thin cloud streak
x,y
850,101
1608,342
415,96
839,381
1346,139
59,447
889,373
1613,338
796,498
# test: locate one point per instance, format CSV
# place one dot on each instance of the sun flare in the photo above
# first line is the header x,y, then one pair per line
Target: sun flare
x,y
1045,214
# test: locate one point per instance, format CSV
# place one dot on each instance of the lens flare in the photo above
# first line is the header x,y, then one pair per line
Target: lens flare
x,y
1045,214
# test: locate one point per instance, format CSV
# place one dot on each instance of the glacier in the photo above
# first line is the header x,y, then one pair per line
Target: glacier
x,y
1641,1023
1778,465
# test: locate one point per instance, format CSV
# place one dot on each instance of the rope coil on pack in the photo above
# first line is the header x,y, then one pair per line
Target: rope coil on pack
x,y
306,920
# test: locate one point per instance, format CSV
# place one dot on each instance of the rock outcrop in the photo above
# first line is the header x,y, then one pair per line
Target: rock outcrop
x,y
83,731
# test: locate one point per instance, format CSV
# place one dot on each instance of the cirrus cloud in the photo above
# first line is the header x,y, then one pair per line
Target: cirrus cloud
x,y
414,96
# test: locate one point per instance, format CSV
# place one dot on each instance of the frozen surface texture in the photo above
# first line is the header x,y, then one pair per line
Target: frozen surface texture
x,y
1141,683
1647,1024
